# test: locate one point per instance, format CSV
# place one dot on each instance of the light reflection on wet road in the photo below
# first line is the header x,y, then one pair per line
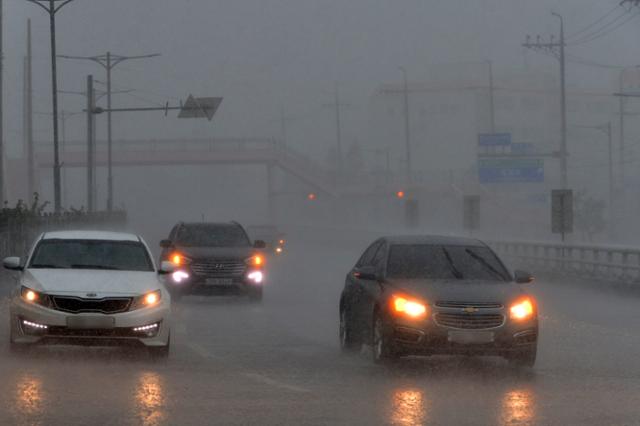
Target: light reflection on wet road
x,y
278,363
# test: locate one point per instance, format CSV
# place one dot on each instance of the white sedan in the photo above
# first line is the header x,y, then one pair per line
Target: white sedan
x,y
90,287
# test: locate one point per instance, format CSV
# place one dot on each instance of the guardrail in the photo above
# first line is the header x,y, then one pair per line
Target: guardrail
x,y
612,263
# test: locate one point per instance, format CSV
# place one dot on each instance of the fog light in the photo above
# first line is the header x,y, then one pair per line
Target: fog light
x,y
256,276
179,276
35,325
146,327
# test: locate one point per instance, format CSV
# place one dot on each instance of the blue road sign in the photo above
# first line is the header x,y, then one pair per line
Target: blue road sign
x,y
511,171
494,139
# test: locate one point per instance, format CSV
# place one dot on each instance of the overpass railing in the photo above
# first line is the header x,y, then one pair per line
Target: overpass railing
x,y
613,263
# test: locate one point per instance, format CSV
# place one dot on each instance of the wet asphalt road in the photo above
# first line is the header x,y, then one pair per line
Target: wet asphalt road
x,y
278,363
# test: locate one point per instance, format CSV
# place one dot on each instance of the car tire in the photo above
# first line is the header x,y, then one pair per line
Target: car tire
x,y
255,294
523,358
160,352
382,346
349,342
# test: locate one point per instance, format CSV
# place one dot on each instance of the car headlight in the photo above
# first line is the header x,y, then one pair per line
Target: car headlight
x,y
255,277
35,297
179,259
522,309
147,300
409,307
257,261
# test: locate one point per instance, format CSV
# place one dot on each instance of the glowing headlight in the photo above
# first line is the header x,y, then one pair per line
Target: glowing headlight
x,y
33,296
256,276
179,276
146,300
256,261
179,259
411,308
522,310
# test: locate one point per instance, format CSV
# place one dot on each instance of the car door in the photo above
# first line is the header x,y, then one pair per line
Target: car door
x,y
357,287
372,289
354,286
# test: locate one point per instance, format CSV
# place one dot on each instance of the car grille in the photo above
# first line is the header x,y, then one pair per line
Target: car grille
x,y
462,305
469,321
76,305
218,268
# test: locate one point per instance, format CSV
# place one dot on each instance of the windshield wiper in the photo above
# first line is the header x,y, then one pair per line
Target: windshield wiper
x,y
454,270
110,268
484,263
46,266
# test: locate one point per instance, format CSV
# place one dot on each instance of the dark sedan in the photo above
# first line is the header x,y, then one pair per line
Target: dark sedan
x,y
427,295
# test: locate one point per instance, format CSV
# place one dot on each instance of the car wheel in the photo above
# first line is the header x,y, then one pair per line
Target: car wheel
x,y
523,358
160,352
383,350
255,294
349,343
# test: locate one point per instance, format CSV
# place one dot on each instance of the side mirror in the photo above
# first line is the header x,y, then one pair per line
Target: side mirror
x,y
166,244
166,267
12,263
523,277
259,244
367,273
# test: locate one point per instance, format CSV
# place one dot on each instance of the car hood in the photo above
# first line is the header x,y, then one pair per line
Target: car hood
x,y
80,282
459,290
216,252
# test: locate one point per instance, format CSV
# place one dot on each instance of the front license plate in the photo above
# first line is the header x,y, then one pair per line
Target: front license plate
x,y
471,337
84,322
219,281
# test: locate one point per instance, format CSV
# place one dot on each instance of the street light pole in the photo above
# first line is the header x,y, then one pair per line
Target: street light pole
x,y
108,62
407,134
491,98
563,105
50,7
1,112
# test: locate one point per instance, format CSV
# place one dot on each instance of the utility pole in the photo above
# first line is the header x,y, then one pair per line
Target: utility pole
x,y
492,109
108,62
31,178
337,106
51,8
90,144
558,49
407,134
2,180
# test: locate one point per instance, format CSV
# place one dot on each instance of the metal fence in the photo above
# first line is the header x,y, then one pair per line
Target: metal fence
x,y
611,263
17,233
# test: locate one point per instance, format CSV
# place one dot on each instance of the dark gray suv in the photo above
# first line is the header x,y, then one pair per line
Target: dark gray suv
x,y
214,258
428,295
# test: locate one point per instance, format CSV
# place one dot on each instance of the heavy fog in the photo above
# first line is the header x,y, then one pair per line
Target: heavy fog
x,y
341,122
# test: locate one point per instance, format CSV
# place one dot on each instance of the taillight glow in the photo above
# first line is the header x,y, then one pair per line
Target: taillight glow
x,y
522,310
409,307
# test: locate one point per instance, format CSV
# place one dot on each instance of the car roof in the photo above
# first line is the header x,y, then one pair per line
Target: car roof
x,y
228,224
433,240
90,235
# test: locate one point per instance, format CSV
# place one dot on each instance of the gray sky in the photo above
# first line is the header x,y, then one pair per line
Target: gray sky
x,y
261,54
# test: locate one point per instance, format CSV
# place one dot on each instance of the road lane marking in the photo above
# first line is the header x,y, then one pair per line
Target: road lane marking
x,y
275,383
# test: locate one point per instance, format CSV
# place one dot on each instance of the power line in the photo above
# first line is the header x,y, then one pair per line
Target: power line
x,y
594,23
604,31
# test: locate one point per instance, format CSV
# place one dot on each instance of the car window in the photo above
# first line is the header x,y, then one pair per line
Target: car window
x,y
368,254
380,255
91,254
208,235
445,263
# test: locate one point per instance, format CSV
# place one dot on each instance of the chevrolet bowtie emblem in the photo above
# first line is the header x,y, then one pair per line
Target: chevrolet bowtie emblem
x,y
470,310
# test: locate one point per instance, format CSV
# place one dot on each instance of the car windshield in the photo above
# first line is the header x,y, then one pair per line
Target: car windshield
x,y
91,254
212,236
444,263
